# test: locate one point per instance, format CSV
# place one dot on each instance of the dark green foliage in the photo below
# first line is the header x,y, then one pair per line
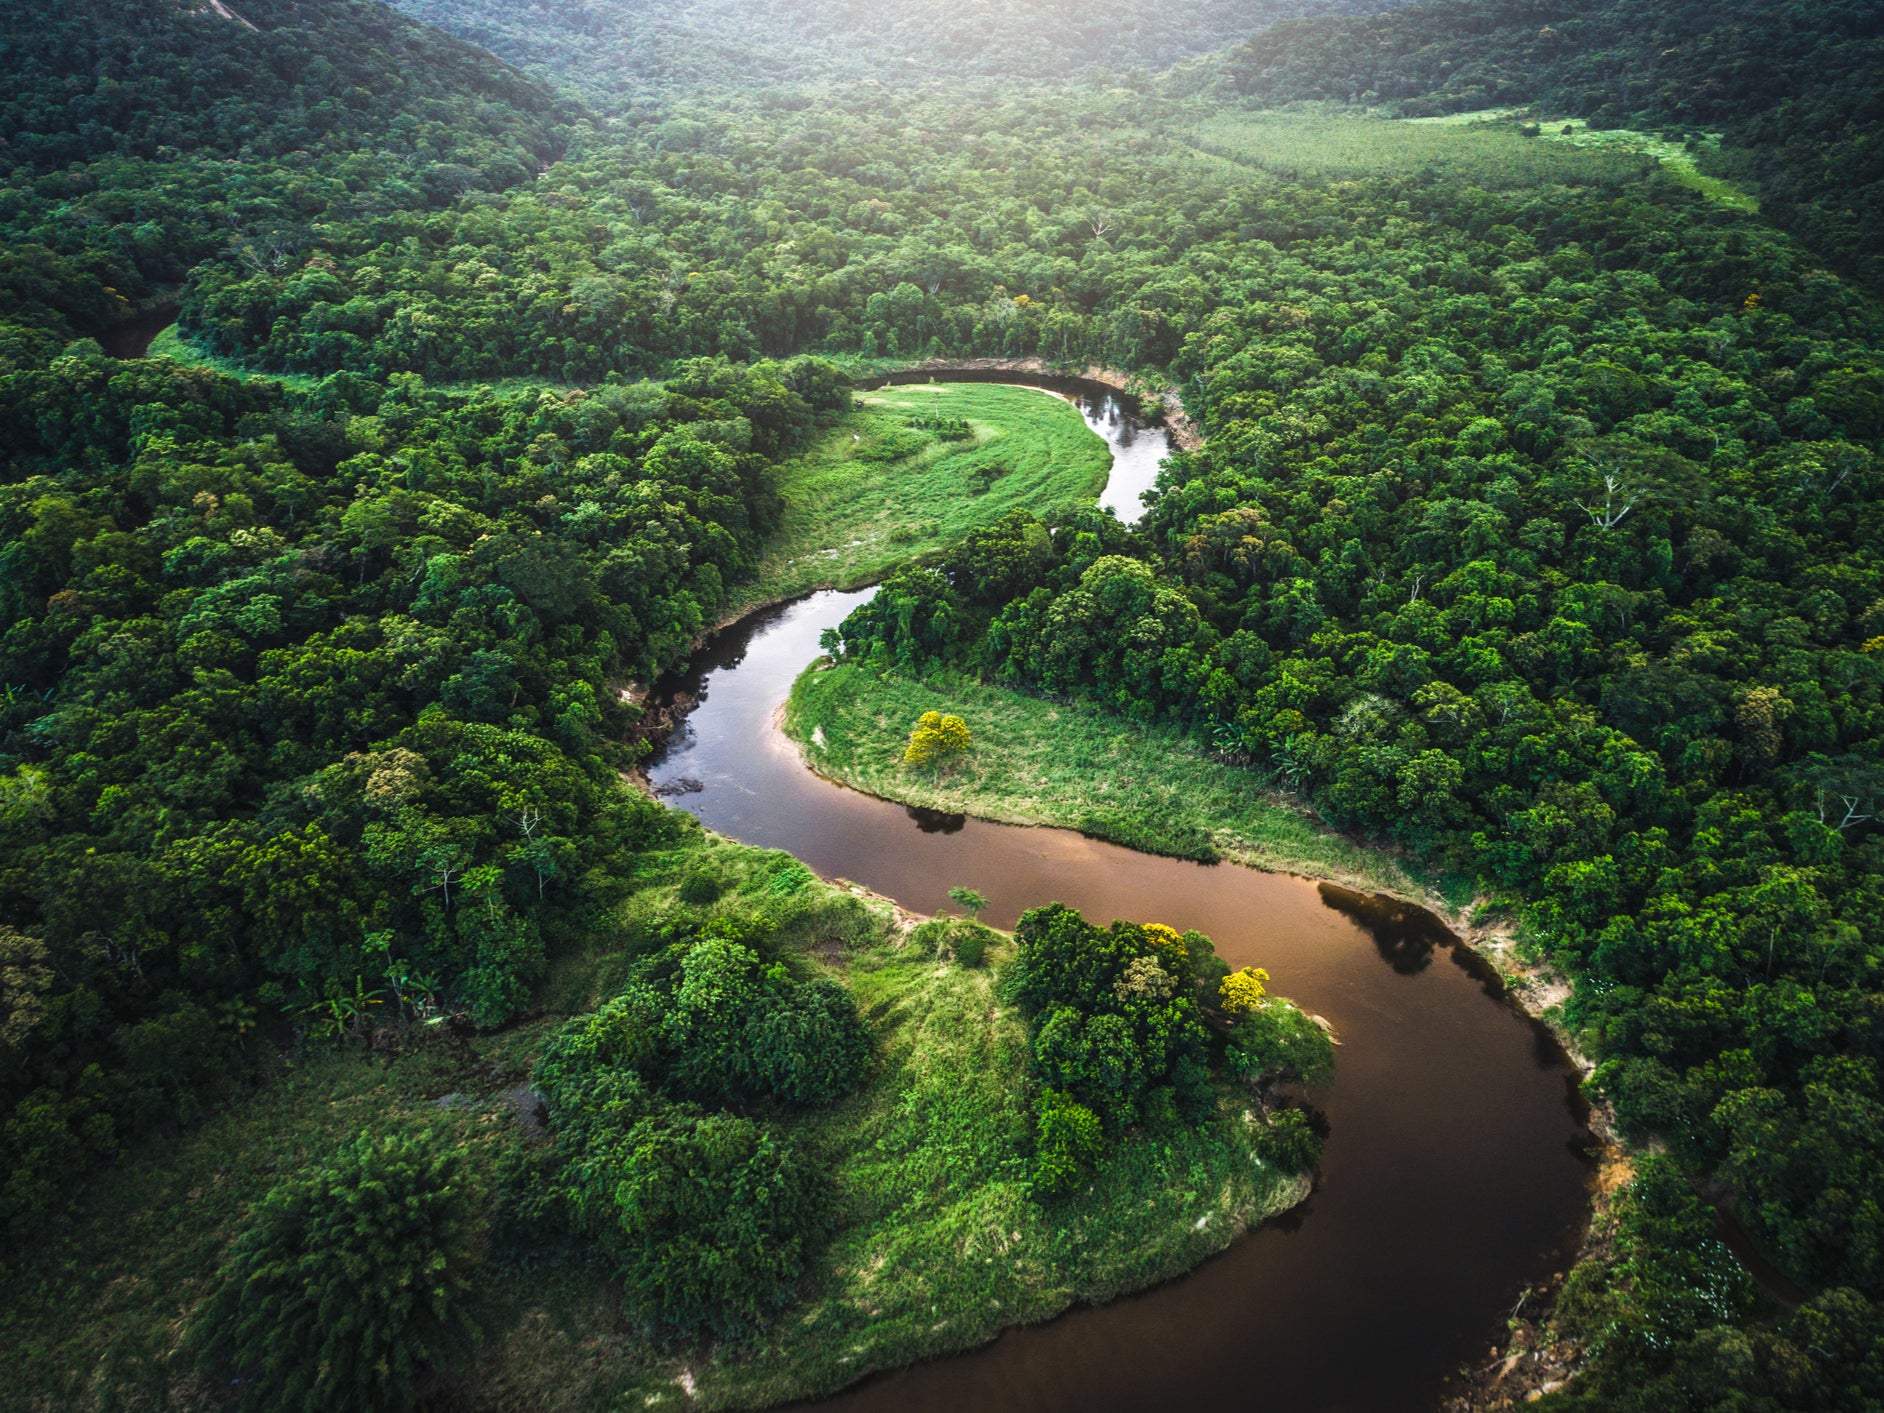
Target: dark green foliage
x,y
352,1282
700,887
738,1030
139,138
1577,603
969,942
278,690
1068,1143
709,1217
1536,532
1289,1142
1112,1012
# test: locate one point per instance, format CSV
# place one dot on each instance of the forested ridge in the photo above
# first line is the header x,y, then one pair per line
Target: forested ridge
x,y
618,52
1535,535
139,139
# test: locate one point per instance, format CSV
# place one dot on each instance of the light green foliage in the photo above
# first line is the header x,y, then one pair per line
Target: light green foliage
x,y
1149,786
352,1282
969,899
1329,141
1277,1042
849,518
1068,1143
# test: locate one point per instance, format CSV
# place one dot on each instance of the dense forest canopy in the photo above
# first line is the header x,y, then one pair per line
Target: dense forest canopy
x,y
1536,534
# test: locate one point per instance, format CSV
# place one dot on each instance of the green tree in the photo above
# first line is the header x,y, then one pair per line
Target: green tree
x,y
351,1282
969,899
1068,1143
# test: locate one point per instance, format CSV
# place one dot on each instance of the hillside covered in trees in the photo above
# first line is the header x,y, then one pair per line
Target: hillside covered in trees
x,y
1534,536
1791,88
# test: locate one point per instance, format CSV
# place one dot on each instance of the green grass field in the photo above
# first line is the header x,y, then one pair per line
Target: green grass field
x,y
872,493
1484,147
1035,762
937,1245
1343,143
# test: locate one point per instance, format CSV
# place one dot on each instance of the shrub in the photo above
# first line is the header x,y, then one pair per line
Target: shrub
x,y
700,887
709,1218
1067,1143
969,942
351,1281
739,1030
1289,1143
1277,1042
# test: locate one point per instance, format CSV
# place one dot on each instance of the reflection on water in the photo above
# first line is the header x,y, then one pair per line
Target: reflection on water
x,y
1404,935
936,821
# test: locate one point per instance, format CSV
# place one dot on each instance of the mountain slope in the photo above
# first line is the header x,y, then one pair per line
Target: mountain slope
x,y
1794,89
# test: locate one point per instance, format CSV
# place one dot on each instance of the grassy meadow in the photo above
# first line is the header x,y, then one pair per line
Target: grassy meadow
x,y
1038,762
874,492
1345,144
937,1244
1483,147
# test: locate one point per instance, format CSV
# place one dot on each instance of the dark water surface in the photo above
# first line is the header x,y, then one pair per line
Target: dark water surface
x,y
1452,1175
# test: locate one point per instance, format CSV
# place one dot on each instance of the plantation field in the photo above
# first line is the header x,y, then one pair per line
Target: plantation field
x,y
874,492
1037,762
937,1244
1342,143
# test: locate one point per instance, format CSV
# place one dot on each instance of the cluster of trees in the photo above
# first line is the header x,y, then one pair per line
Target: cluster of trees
x,y
1120,1037
874,224
662,1155
1792,88
312,700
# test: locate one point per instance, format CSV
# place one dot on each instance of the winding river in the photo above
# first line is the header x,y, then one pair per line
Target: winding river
x,y
1453,1175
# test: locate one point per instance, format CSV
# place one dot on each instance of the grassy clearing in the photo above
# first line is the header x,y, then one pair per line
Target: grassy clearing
x,y
937,1245
171,344
1677,160
874,493
1035,762
1338,143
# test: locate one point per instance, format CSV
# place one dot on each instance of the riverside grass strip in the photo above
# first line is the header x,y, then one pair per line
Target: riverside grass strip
x,y
1152,788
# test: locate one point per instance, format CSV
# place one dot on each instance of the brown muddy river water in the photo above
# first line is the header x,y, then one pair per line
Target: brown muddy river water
x,y
1453,1174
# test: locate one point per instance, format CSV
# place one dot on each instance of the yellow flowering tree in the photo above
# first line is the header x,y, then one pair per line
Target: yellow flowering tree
x,y
936,737
1242,991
